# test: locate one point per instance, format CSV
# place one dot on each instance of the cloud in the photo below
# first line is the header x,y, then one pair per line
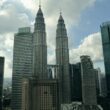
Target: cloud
x,y
6,50
21,13
91,45
11,18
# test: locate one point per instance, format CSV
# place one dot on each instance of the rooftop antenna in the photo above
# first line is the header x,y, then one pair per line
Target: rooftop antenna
x,y
60,11
39,3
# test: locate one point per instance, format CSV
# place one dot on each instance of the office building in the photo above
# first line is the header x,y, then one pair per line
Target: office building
x,y
22,64
1,81
40,47
105,31
100,83
40,94
62,60
88,81
75,82
88,75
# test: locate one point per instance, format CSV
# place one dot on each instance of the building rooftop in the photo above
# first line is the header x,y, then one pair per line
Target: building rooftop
x,y
24,30
105,23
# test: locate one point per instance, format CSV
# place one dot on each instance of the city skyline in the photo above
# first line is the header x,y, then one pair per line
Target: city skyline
x,y
9,10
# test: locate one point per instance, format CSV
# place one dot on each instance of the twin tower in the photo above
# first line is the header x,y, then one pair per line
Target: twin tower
x,y
62,56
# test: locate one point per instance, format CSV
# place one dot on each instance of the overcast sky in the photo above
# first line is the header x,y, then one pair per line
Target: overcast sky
x,y
82,18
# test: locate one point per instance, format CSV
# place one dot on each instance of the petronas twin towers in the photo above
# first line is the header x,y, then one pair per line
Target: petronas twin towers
x,y
62,55
31,87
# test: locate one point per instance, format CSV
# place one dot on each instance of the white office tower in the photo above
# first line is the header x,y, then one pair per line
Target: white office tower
x,y
22,64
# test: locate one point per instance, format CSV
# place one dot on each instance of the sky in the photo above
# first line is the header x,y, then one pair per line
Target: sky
x,y
82,18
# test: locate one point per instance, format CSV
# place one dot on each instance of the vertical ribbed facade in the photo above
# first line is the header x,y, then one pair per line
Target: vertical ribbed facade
x,y
22,64
40,47
62,60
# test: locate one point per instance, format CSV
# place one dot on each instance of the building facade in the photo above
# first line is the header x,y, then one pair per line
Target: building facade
x,y
88,75
101,83
2,59
40,47
75,82
105,31
62,60
40,92
22,64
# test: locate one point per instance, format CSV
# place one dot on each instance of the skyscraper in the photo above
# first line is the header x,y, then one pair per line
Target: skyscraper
x,y
62,60
22,64
40,91
105,31
40,47
1,80
88,81
75,79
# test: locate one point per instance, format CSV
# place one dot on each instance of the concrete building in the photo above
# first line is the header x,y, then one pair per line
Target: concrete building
x,y
75,79
89,96
2,59
88,81
62,60
22,64
105,31
26,97
40,94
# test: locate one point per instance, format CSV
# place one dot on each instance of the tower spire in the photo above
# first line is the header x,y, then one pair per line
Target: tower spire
x,y
39,3
60,11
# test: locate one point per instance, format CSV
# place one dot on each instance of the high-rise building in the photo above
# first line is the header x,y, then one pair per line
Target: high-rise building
x,y
101,83
22,64
105,31
62,60
75,79
40,47
1,81
40,92
88,81
88,75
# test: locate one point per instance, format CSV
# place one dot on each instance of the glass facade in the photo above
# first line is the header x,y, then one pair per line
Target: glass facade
x,y
22,64
105,31
75,79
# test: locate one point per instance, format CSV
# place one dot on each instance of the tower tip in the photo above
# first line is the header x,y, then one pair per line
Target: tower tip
x,y
39,3
60,12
